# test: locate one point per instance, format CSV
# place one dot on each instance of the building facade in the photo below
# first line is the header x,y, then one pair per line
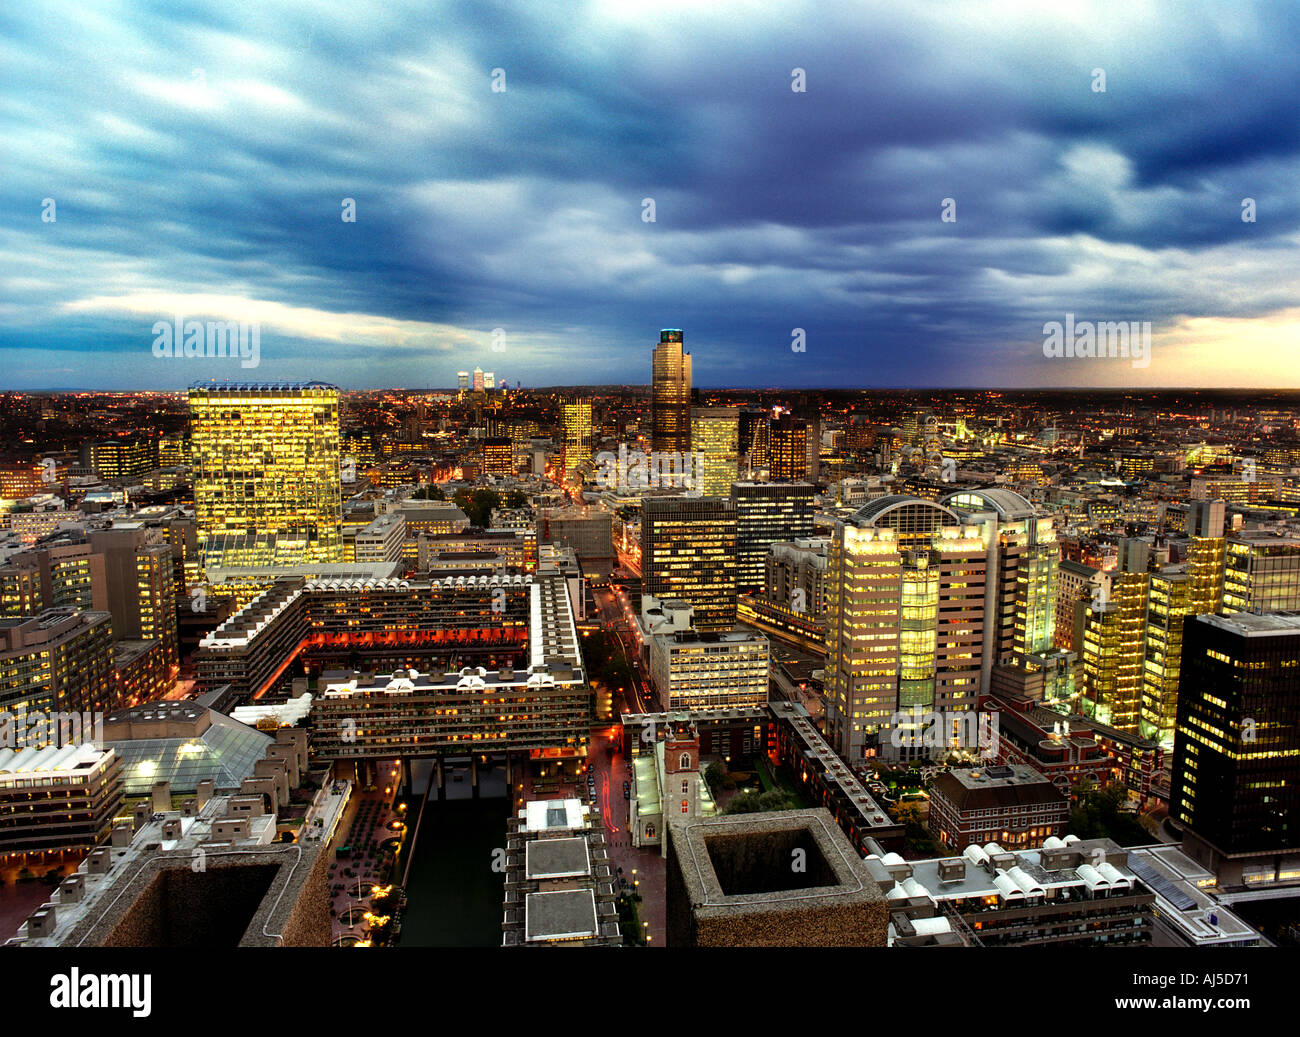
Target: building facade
x,y
670,395
267,477
688,551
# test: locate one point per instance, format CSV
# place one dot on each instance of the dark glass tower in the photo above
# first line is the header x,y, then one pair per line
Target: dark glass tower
x,y
1236,778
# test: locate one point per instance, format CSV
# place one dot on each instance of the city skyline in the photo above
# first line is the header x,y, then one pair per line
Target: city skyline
x,y
653,476
510,195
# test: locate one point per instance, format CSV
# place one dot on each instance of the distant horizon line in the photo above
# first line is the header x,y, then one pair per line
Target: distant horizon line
x,y
453,390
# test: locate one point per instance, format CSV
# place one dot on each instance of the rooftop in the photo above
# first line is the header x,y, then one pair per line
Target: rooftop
x,y
1008,504
560,915
968,789
28,764
551,815
557,858
1253,624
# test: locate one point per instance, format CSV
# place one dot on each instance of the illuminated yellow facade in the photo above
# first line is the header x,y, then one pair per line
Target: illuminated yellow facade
x,y
1168,605
575,426
671,394
1261,574
267,487
862,595
715,438
689,552
906,623
1113,653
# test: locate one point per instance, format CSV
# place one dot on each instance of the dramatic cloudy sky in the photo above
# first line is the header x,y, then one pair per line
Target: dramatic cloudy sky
x,y
198,156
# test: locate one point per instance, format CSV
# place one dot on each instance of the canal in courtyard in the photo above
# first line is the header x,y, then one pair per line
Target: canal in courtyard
x,y
453,897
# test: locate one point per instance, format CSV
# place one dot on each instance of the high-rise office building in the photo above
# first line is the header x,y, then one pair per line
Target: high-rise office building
x,y
119,459
267,483
1261,573
588,532
60,661
498,456
670,395
19,479
575,432
796,572
905,624
173,450
813,463
1206,556
688,552
140,584
714,441
692,670
753,432
1114,653
63,572
1168,606
766,514
478,379
918,427
1022,559
462,380
923,600
489,380
788,448
1236,776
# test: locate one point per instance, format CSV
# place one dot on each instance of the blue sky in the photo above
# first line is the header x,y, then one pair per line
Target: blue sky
x,y
198,156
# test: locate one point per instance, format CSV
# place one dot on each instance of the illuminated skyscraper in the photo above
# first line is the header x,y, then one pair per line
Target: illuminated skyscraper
x,y
174,450
1261,573
766,514
478,379
58,660
117,458
1022,560
575,429
267,488
670,395
753,436
1236,772
917,426
498,456
1206,557
905,623
688,551
714,438
489,380
1168,606
462,380
1114,653
788,448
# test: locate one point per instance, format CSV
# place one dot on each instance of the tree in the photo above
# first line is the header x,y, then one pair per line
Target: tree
x,y
1099,814
917,841
477,505
715,774
760,802
516,499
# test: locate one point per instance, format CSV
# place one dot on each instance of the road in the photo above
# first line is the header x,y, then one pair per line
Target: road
x,y
616,617
642,869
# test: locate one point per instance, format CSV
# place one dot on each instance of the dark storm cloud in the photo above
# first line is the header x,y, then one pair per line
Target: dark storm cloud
x,y
201,156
